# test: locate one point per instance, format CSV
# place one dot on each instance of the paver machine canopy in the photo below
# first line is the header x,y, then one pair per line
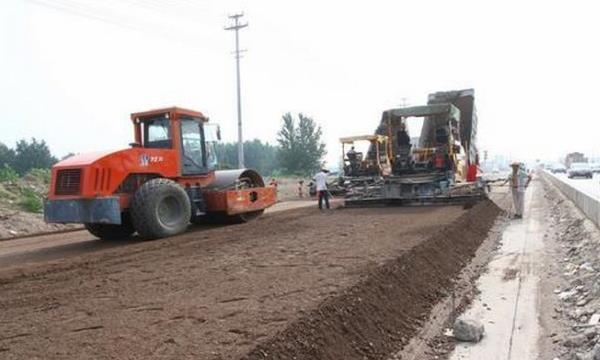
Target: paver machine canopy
x,y
166,179
433,167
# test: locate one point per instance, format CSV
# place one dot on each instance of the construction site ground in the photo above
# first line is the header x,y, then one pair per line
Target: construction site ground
x,y
301,283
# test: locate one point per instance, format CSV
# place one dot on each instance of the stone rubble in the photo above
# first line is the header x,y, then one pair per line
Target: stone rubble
x,y
469,330
579,294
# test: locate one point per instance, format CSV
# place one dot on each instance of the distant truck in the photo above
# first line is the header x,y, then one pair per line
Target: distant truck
x,y
575,157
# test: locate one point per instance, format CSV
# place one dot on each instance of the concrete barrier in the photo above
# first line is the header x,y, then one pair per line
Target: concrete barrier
x,y
586,203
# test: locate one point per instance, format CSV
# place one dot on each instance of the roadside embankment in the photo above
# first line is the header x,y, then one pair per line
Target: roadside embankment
x,y
589,205
381,313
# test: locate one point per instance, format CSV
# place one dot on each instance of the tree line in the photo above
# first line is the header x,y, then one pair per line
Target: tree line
x,y
25,156
299,151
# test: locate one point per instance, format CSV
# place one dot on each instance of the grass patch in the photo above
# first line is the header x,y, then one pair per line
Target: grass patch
x,y
31,201
40,175
8,174
6,194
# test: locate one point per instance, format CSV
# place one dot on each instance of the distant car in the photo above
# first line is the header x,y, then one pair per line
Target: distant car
x,y
580,170
558,169
595,167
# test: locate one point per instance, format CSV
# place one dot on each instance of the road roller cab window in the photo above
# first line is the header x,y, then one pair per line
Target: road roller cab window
x,y
193,150
157,133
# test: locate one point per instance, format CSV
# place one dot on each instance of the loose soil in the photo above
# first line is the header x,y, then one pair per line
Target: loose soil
x,y
348,283
17,223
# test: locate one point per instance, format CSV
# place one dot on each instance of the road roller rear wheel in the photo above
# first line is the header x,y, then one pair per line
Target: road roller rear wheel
x,y
160,208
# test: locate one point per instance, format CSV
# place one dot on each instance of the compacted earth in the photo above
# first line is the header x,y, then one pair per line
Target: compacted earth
x,y
298,284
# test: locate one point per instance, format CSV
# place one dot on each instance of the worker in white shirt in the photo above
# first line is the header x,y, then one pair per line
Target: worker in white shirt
x,y
321,185
519,179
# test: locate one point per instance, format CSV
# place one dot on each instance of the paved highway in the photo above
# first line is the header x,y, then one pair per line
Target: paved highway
x,y
588,186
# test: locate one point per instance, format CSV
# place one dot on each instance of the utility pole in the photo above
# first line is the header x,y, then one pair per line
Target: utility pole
x,y
237,25
404,102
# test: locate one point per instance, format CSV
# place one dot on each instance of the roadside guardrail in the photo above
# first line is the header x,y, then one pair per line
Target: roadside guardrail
x,y
586,203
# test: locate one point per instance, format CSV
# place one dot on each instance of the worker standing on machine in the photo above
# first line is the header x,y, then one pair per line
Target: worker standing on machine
x,y
519,180
402,136
351,154
353,159
321,184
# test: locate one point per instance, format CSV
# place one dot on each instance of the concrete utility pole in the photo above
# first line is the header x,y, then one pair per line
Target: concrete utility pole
x,y
237,25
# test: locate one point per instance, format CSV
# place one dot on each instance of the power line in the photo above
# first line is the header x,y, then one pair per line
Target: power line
x,y
180,9
75,11
237,25
93,13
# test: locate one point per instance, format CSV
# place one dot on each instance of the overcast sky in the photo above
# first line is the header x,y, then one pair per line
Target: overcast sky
x,y
71,71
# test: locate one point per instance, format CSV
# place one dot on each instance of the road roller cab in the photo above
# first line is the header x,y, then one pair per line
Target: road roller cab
x,y
166,179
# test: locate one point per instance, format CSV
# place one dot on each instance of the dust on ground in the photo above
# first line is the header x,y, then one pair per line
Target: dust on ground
x,y
246,288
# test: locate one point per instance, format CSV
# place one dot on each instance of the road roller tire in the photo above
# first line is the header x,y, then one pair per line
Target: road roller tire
x,y
112,231
160,208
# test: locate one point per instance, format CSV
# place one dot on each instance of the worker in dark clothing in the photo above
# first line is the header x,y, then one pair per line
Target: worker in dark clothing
x,y
351,154
402,135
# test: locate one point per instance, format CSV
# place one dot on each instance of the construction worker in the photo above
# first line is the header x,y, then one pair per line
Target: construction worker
x,y
519,180
321,184
402,136
351,154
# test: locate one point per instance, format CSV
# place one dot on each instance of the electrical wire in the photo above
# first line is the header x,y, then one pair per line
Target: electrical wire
x,y
108,17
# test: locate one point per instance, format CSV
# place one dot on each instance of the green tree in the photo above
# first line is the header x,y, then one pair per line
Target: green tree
x,y
227,155
31,155
260,156
7,156
301,150
257,155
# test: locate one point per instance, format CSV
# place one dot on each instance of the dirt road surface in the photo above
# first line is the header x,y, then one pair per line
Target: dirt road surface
x,y
223,293
57,246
